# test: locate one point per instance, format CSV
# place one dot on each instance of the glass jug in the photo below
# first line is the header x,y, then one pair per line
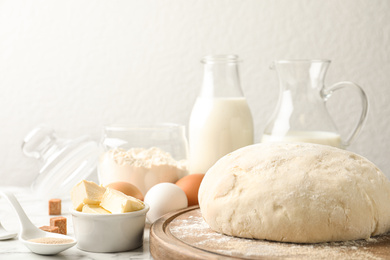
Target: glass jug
x,y
301,114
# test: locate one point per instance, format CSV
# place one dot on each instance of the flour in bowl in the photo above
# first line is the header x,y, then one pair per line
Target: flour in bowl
x,y
142,167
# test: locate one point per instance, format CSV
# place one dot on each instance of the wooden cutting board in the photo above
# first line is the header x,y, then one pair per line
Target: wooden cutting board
x,y
185,235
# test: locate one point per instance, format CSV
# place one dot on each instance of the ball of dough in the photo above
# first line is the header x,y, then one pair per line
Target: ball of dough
x,y
296,192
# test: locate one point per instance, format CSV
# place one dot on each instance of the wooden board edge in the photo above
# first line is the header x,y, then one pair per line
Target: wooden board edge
x,y
163,245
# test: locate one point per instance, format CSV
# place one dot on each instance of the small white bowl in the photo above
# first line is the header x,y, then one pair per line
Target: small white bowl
x,y
108,233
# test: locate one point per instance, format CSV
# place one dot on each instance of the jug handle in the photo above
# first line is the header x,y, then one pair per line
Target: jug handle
x,y
364,102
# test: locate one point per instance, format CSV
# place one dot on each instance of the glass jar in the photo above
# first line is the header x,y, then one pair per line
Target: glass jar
x,y
143,155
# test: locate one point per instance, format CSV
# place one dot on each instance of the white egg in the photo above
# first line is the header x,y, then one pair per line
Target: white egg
x,y
163,198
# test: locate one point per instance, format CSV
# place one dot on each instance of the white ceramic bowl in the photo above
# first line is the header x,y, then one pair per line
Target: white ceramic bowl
x,y
107,233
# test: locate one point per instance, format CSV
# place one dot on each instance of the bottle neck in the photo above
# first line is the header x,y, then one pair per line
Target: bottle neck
x,y
221,77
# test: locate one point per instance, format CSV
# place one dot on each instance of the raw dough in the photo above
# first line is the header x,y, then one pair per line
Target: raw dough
x,y
296,192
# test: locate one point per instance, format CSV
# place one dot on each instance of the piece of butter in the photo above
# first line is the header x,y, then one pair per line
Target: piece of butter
x,y
118,202
86,192
95,209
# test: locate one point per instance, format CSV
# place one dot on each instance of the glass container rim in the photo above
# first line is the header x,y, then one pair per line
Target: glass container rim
x,y
127,127
284,61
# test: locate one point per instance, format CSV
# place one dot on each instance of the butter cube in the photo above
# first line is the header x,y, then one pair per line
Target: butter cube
x,y
95,209
86,192
118,202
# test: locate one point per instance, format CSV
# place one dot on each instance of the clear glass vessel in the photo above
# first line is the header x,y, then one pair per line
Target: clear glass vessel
x,y
220,121
301,114
63,162
143,155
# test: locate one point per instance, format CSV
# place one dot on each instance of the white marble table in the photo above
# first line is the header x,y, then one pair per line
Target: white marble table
x,y
37,210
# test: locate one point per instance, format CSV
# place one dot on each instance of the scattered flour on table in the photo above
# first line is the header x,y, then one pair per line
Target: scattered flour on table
x,y
196,232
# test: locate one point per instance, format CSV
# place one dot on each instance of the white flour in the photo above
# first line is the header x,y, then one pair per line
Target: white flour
x,y
191,229
142,167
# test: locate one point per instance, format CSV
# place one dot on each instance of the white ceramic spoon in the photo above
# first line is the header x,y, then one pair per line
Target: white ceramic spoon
x,y
4,234
29,231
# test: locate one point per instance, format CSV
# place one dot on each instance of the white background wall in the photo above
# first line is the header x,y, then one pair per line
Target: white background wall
x,y
77,65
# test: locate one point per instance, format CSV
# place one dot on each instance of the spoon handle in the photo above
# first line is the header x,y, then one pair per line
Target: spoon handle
x,y
25,222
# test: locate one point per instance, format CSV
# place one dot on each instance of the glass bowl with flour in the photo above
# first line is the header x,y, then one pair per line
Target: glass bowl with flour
x,y
143,155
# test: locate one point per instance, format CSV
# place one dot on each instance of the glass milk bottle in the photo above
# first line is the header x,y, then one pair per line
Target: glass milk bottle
x,y
301,114
221,121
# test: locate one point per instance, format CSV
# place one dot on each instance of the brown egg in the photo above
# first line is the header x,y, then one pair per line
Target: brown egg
x,y
127,188
190,185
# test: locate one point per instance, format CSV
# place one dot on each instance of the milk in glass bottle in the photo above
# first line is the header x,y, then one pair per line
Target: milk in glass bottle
x,y
221,121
